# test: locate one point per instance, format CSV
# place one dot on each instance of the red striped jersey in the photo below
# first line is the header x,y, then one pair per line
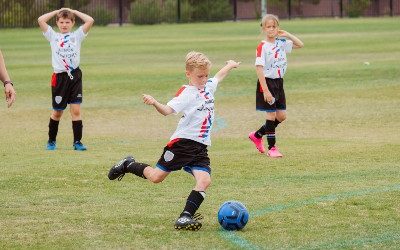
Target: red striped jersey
x,y
65,49
272,56
197,108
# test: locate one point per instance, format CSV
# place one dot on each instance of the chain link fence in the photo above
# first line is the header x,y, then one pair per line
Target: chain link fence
x,y
24,13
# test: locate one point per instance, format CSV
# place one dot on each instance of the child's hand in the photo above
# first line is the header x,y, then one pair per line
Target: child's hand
x,y
283,33
66,9
233,64
148,99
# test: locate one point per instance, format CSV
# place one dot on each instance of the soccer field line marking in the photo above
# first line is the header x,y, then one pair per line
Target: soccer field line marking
x,y
324,198
243,243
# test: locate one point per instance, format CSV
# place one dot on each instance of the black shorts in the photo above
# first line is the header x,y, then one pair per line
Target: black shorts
x,y
66,91
275,86
184,153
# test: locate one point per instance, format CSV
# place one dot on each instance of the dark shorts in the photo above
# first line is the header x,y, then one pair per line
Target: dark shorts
x,y
66,91
184,153
275,86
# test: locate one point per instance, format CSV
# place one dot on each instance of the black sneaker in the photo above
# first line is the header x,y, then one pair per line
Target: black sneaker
x,y
186,222
119,169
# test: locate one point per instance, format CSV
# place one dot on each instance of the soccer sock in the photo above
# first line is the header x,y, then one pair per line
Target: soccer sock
x,y
193,202
277,123
270,131
53,129
261,132
137,168
77,129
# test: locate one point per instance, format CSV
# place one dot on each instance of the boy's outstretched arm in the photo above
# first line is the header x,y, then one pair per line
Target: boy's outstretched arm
x,y
222,73
43,19
161,108
88,20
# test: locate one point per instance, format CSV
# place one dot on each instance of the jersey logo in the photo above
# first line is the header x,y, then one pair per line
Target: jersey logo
x,y
58,99
168,156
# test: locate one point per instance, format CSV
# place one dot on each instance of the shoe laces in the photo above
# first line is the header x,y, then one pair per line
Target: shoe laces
x,y
197,217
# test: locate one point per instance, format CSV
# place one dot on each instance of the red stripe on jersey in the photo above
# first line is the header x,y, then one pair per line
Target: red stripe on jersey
x,y
171,143
180,91
279,73
259,49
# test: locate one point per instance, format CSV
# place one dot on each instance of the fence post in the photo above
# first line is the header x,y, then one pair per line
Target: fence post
x,y
341,8
178,16
235,10
391,7
290,9
62,3
120,13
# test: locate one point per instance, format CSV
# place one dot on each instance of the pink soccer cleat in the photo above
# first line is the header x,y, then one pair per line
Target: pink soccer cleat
x,y
274,153
259,142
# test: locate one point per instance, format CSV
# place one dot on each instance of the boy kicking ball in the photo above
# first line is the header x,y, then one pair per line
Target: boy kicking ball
x,y
187,148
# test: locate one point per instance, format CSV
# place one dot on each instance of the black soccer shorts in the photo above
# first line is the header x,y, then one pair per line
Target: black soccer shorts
x,y
65,90
275,86
184,154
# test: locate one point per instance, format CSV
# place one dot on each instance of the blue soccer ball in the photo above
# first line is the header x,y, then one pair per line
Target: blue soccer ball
x,y
233,215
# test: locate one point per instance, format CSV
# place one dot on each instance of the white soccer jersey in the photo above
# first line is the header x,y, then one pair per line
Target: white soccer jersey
x,y
272,56
197,107
65,49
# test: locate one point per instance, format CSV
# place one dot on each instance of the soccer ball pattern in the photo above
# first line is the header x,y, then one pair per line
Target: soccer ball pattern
x,y
233,215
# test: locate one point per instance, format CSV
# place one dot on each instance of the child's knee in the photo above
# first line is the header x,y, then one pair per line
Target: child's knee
x,y
204,183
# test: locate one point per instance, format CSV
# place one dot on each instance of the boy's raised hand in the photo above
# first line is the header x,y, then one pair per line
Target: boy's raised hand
x,y
233,64
148,99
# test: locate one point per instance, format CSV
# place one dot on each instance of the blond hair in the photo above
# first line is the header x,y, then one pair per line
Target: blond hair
x,y
197,60
268,17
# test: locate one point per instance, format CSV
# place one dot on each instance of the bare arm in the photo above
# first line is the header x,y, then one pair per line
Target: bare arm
x,y
43,19
88,20
161,108
5,78
261,78
297,43
222,73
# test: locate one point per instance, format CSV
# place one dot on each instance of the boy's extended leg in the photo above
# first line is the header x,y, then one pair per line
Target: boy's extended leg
x,y
127,165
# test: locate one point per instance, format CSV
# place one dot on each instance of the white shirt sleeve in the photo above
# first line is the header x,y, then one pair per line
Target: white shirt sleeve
x,y
79,34
288,46
260,55
49,33
212,84
180,102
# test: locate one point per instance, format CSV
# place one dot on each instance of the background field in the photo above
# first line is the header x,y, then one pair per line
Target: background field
x,y
338,185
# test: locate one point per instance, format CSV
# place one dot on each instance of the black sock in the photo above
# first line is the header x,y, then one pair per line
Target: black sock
x,y
53,129
137,168
77,129
260,132
277,123
193,202
270,132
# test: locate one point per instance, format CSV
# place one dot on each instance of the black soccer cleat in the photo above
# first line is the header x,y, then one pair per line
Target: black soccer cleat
x,y
186,222
119,169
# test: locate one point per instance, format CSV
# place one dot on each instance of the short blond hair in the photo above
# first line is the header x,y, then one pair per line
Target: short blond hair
x,y
269,17
197,60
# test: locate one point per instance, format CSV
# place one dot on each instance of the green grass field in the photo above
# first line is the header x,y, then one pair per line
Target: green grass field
x,y
338,186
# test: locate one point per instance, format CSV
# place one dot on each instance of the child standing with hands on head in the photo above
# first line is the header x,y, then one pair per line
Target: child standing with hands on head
x,y
271,64
187,148
66,81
